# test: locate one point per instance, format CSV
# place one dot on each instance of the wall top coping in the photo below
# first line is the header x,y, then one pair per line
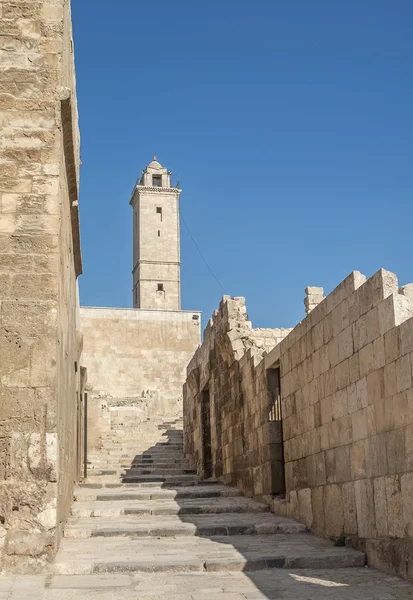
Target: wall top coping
x,y
138,314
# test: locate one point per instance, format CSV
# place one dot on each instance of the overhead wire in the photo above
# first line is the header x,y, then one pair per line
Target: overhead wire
x,y
202,256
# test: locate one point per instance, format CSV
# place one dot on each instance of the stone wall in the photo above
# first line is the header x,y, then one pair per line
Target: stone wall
x,y
347,416
226,391
136,362
40,384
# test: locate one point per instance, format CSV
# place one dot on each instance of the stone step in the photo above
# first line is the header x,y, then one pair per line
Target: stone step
x,y
283,584
226,553
121,491
228,524
171,479
118,505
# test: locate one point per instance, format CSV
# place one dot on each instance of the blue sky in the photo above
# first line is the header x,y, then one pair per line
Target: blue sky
x,y
289,124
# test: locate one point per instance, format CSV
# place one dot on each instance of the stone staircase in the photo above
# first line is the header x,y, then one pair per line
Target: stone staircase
x,y
144,510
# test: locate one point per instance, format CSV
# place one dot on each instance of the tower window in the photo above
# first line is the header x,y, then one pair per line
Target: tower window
x,y
159,211
157,180
159,233
160,287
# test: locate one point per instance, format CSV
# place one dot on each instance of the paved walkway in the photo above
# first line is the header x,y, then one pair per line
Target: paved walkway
x,y
143,527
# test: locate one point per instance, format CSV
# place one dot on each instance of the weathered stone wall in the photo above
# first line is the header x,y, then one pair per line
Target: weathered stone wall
x,y
348,418
136,361
225,374
39,261
347,415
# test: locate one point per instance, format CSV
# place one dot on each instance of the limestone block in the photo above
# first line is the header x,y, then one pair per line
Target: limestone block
x,y
372,324
407,290
366,360
360,333
376,457
406,483
378,353
376,385
339,404
343,470
27,544
305,506
342,374
345,430
380,506
383,414
330,465
392,342
354,367
334,514
317,503
395,516
349,508
408,440
396,459
401,412
393,311
366,520
390,380
406,336
358,459
324,437
359,424
334,434
403,373
326,410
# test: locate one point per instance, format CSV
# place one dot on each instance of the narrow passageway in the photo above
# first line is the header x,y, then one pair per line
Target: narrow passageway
x,y
145,527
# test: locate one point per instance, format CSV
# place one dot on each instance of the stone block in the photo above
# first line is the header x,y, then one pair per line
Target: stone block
x,y
376,456
401,410
405,337
380,506
366,360
305,506
349,508
330,465
358,459
354,367
334,434
334,515
376,385
317,503
366,521
378,353
408,440
360,333
406,484
403,373
339,404
383,414
395,517
27,543
390,381
342,464
392,343
396,459
359,424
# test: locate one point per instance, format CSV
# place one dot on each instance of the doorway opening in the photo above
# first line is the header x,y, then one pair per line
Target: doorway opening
x,y
206,434
277,486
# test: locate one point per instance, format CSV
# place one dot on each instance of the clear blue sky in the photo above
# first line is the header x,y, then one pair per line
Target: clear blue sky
x,y
289,124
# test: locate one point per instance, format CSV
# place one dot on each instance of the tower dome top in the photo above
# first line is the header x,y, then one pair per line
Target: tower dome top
x,y
154,164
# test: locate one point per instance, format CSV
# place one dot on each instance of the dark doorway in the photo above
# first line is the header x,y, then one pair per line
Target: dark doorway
x,y
206,434
276,432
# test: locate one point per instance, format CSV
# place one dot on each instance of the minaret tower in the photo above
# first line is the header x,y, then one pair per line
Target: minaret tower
x,y
156,241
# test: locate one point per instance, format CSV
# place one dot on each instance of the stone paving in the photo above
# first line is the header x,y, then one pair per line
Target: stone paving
x,y
139,532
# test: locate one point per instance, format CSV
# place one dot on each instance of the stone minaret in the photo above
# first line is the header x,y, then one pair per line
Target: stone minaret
x,y
156,241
